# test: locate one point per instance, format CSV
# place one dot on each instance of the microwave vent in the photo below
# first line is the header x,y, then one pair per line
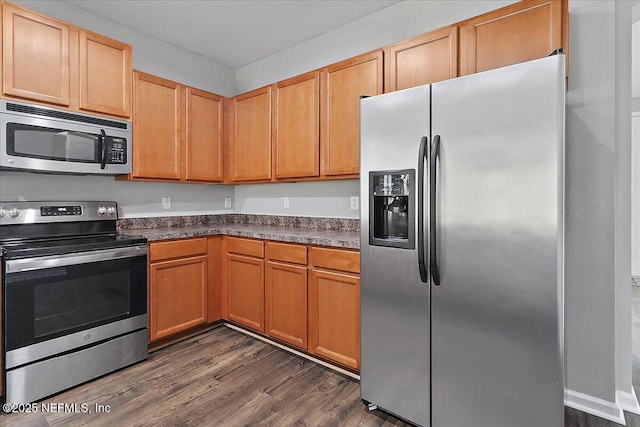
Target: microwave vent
x,y
45,112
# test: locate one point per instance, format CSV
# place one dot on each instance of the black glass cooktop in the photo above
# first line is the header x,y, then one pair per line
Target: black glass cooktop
x,y
57,246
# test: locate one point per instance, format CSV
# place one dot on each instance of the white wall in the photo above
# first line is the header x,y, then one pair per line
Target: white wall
x,y
135,199
598,177
635,192
324,199
635,163
150,55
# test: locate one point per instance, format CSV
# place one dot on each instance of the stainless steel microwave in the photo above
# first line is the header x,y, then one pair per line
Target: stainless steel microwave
x,y
42,139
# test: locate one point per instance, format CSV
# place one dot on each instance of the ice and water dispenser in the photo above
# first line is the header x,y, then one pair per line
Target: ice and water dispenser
x,y
392,208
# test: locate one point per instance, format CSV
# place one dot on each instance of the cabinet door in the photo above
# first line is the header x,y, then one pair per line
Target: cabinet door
x,y
105,75
428,58
245,282
520,32
296,134
250,136
342,86
36,56
286,303
157,127
334,316
203,143
177,295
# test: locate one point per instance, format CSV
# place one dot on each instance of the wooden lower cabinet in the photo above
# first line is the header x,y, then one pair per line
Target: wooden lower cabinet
x,y
245,281
286,303
177,286
178,295
334,316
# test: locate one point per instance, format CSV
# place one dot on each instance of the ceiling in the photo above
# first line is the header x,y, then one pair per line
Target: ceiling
x,y
233,32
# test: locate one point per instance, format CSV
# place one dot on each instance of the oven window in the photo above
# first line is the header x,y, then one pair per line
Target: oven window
x,y
43,304
60,306
51,144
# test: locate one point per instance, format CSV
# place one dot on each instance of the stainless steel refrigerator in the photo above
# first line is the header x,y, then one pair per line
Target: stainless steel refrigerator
x,y
462,249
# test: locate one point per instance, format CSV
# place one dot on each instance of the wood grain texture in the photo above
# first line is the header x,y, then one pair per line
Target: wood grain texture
x,y
177,248
526,30
342,86
286,303
427,58
215,291
105,75
225,378
249,247
245,284
204,136
296,126
250,136
334,316
219,378
287,252
158,123
36,56
335,259
178,295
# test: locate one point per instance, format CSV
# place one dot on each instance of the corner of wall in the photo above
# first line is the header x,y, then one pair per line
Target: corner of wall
x,y
611,411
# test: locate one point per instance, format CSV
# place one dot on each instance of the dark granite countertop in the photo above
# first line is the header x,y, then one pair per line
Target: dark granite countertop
x,y
338,238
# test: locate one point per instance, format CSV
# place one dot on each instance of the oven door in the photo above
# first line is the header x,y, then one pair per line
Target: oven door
x,y
53,304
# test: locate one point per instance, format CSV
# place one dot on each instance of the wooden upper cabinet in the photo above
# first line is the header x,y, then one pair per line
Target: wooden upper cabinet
x,y
250,136
296,133
37,59
157,130
203,143
105,75
48,61
424,59
526,30
342,86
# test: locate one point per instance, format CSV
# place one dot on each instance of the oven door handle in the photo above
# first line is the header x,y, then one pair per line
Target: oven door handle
x,y
52,261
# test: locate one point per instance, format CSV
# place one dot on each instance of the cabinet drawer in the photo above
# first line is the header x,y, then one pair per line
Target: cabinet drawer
x,y
254,248
296,254
177,249
335,259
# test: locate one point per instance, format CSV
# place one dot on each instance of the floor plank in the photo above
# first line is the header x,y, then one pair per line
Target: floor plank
x,y
225,378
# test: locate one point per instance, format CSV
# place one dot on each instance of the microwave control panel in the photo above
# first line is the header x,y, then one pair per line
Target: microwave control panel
x,y
118,152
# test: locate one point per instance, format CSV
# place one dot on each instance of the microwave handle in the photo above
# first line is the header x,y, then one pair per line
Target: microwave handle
x,y
102,146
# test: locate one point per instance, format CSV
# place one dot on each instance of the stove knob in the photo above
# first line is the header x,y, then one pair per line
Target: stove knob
x,y
102,210
111,210
14,212
2,212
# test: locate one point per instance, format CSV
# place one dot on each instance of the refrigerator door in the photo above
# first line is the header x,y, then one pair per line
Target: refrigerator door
x,y
394,301
497,315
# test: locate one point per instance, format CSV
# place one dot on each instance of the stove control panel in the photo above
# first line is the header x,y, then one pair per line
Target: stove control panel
x,y
60,210
20,212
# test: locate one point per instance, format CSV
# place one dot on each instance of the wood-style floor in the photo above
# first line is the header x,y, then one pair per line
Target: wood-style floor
x,y
219,378
225,378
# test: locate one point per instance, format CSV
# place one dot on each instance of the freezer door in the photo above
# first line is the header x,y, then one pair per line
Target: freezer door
x,y
497,315
394,301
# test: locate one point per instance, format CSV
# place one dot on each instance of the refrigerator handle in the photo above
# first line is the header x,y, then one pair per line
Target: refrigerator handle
x,y
422,157
433,258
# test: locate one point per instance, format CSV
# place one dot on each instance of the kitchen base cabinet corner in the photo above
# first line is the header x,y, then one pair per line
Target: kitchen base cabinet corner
x,y
245,282
177,286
